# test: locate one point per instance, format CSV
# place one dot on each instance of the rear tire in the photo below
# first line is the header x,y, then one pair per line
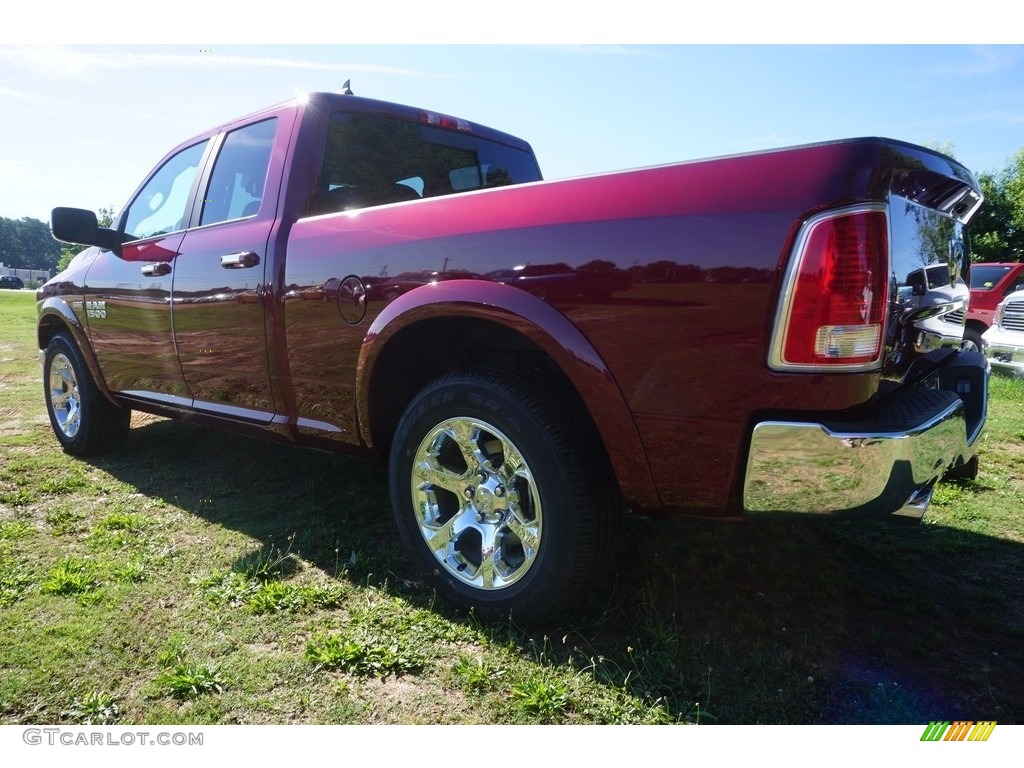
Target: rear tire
x,y
506,501
83,420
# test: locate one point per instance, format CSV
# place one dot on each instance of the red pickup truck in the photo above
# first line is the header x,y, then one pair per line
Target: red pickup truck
x,y
991,283
731,337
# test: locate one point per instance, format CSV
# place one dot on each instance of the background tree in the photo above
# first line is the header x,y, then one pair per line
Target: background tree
x,y
997,232
26,244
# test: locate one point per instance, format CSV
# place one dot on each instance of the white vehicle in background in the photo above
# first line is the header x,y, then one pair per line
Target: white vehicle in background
x,y
1004,340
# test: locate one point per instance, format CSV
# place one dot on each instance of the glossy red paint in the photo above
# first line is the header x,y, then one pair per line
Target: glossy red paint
x,y
653,292
678,330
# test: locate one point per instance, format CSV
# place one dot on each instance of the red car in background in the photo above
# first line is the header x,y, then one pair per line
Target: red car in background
x,y
990,284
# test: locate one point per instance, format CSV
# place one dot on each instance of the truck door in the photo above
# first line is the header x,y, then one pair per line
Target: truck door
x,y
128,297
221,271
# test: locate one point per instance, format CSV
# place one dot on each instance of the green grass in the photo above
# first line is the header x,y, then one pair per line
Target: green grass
x,y
197,577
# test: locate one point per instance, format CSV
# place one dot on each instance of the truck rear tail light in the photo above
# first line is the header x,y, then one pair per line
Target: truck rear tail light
x,y
834,300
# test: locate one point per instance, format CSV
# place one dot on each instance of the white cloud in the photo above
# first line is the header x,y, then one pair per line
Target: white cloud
x,y
77,64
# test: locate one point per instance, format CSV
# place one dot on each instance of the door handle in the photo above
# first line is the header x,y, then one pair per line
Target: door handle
x,y
159,269
241,260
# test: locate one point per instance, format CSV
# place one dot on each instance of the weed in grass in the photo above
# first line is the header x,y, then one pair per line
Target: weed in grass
x,y
19,497
228,587
267,563
60,484
71,576
186,680
274,596
542,697
14,582
132,572
477,673
173,653
122,521
15,529
377,657
64,520
95,708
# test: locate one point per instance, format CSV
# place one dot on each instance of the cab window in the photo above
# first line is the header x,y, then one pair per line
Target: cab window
x,y
160,207
371,160
240,173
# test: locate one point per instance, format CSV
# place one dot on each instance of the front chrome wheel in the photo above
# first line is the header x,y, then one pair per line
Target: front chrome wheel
x,y
65,400
84,421
476,502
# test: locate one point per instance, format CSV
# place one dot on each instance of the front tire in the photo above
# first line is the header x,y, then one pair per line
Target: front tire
x,y
503,498
84,421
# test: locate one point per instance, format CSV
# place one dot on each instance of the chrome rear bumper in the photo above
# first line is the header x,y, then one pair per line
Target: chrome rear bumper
x,y
885,465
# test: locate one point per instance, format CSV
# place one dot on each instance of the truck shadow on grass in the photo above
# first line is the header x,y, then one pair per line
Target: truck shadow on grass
x,y
775,622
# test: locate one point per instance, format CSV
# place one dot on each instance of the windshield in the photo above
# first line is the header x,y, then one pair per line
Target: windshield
x,y
985,278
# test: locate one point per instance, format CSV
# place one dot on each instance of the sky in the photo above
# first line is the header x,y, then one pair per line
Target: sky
x,y
83,124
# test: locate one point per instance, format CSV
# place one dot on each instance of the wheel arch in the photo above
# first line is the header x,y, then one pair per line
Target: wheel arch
x,y
55,316
491,325
976,325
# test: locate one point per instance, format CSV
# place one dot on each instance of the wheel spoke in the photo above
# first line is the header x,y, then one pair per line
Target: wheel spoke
x,y
527,533
465,435
514,464
485,573
438,539
439,477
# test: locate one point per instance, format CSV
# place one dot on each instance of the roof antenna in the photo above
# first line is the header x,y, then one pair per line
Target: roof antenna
x,y
345,89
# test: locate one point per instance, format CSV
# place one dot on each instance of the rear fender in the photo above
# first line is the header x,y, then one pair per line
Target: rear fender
x,y
545,327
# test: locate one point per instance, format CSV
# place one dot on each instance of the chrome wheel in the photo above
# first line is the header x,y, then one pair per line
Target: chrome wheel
x,y
503,494
476,503
65,400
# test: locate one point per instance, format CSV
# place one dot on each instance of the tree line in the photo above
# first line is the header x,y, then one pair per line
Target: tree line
x,y
27,244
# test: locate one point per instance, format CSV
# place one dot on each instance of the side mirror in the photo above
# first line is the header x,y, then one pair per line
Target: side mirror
x,y
76,225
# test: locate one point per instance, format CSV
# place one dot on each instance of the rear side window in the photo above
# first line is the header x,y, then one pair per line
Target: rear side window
x,y
371,160
240,173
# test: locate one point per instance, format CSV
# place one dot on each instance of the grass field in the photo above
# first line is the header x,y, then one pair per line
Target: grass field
x,y
197,577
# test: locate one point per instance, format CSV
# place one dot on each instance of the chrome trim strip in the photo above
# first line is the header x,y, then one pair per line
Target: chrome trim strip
x,y
157,397
319,426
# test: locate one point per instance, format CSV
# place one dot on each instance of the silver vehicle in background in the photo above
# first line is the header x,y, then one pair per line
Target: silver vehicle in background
x,y
1004,340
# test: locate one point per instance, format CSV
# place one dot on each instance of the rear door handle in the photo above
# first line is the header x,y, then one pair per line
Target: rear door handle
x,y
241,260
159,269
